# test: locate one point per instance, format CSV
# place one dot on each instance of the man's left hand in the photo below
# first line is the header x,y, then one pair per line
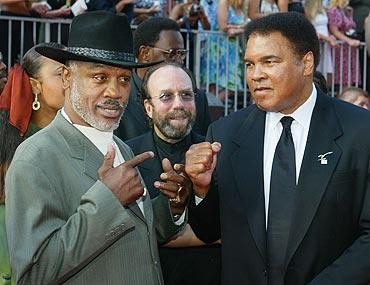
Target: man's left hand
x,y
175,185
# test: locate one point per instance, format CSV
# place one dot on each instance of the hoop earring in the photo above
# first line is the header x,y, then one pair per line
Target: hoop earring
x,y
35,103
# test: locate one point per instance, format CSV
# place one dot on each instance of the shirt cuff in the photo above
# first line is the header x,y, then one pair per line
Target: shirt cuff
x,y
181,219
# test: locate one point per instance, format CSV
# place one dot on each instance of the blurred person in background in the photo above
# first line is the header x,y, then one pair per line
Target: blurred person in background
x,y
227,48
342,26
260,8
315,12
18,8
356,96
114,6
188,15
28,103
145,9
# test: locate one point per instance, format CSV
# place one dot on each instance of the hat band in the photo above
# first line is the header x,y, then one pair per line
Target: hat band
x,y
103,54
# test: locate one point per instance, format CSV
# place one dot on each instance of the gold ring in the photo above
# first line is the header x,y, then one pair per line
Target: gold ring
x,y
177,199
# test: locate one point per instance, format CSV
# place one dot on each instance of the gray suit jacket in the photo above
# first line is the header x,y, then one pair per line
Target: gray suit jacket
x,y
59,216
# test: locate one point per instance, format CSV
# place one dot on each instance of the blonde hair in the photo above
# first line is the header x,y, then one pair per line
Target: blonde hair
x,y
313,7
237,4
338,3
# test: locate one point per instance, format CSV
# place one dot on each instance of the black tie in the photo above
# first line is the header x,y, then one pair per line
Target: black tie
x,y
282,191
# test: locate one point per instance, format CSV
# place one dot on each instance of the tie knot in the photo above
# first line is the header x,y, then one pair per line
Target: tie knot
x,y
286,122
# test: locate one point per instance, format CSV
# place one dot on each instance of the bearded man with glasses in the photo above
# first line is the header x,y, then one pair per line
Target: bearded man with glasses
x,y
169,96
157,39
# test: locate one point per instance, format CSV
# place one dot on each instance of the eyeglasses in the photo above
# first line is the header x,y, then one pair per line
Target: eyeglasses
x,y
174,53
185,96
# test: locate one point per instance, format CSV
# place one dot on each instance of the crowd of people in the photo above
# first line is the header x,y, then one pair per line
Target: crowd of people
x,y
112,172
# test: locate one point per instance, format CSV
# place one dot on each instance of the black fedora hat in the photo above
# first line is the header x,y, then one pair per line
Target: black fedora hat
x,y
98,36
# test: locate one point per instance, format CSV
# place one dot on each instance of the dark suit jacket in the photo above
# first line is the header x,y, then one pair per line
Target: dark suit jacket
x,y
180,266
135,123
329,241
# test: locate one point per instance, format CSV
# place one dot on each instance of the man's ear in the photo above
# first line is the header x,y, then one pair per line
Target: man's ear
x,y
148,108
36,86
66,77
144,54
309,64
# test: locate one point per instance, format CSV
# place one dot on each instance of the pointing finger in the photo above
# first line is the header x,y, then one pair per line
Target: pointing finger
x,y
139,159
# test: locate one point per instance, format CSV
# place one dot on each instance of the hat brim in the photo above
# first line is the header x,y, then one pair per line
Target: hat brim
x,y
63,56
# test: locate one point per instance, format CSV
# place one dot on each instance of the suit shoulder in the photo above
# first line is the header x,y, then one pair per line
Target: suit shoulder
x,y
197,138
351,115
39,145
136,143
233,120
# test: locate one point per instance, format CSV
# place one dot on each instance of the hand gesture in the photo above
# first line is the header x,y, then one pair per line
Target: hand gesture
x,y
40,8
124,180
200,163
353,42
175,185
333,41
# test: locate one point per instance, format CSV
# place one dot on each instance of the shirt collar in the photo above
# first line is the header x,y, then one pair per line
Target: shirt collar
x,y
300,115
96,136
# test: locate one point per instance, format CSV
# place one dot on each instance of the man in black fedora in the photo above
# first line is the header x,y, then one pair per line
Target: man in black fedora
x,y
77,209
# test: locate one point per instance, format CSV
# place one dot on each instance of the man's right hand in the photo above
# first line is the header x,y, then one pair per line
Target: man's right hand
x,y
124,180
200,163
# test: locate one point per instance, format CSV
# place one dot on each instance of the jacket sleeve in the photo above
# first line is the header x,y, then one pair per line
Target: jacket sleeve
x,y
45,241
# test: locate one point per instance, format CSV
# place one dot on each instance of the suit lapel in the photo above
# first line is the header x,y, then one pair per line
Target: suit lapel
x,y
81,147
247,166
314,176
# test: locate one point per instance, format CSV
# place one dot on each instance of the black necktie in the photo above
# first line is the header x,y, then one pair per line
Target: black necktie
x,y
282,191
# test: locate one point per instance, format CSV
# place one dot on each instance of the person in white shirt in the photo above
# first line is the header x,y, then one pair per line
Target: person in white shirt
x,y
285,182
77,209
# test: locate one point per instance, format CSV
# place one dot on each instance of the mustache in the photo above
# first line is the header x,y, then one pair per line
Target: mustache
x,y
112,103
179,113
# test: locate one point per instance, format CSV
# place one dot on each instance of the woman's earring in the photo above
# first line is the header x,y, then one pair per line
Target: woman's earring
x,y
35,103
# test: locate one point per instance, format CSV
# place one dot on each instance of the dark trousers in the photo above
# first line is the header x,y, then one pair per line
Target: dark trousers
x,y
191,265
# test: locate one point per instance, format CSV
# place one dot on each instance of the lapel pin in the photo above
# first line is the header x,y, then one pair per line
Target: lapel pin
x,y
322,157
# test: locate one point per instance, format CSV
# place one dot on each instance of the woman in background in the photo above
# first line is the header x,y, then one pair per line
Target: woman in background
x,y
315,12
340,25
29,102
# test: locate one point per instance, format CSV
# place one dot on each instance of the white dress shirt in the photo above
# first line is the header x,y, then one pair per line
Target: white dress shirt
x,y
101,140
273,129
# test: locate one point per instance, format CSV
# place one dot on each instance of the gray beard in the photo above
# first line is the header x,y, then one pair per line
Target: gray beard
x,y
171,132
87,115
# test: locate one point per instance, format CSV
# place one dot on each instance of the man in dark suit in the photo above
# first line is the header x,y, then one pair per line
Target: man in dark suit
x,y
286,181
169,101
156,39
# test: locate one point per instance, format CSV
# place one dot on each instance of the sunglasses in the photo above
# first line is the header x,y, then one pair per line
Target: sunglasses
x,y
166,97
174,53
